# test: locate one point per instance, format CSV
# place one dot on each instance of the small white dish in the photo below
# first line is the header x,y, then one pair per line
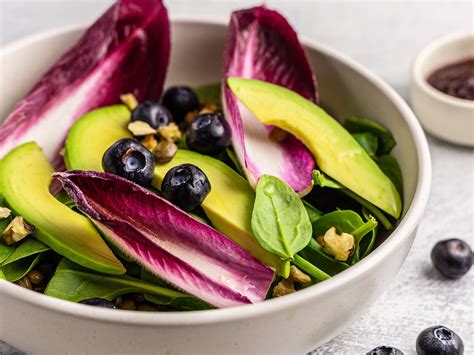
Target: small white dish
x,y
444,116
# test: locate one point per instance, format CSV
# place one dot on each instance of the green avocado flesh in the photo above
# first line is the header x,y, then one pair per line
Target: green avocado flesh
x,y
25,177
336,152
229,204
93,134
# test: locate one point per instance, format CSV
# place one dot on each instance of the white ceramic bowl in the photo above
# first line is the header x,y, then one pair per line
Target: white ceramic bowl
x,y
444,116
292,324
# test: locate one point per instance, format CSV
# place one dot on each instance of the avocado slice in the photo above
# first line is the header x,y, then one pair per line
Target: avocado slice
x,y
25,176
228,206
93,134
337,153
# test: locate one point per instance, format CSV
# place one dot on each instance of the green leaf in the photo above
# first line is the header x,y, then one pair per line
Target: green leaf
x,y
390,167
209,93
184,302
368,141
313,212
324,181
64,198
16,270
27,248
314,254
5,250
70,284
279,219
361,125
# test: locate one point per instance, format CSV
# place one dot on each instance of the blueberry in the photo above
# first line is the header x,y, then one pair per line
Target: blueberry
x,y
385,350
131,160
186,186
439,340
153,113
180,100
208,134
98,302
452,258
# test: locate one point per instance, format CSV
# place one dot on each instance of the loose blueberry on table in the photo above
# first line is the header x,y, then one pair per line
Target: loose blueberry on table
x,y
439,340
385,350
452,258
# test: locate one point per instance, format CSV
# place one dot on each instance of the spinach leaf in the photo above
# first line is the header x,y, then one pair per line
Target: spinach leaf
x,y
72,284
360,125
368,141
367,229
64,198
209,93
16,270
22,259
390,167
2,275
279,219
184,302
344,221
313,212
5,250
26,249
321,180
314,254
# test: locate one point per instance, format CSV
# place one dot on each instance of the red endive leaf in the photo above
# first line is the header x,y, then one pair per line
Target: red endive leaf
x,y
262,45
125,50
167,241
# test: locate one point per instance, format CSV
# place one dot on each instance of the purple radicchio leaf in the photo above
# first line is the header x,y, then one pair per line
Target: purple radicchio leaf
x,y
262,45
167,241
125,50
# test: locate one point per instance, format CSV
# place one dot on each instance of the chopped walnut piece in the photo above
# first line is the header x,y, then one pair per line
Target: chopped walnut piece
x,y
149,141
140,128
287,286
164,151
284,287
340,246
298,276
129,100
4,212
190,117
170,132
17,230
278,135
208,107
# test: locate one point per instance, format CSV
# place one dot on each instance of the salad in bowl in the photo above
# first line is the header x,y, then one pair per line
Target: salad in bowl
x,y
187,198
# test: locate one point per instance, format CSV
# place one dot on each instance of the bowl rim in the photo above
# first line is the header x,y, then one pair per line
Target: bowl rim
x,y
400,235
419,63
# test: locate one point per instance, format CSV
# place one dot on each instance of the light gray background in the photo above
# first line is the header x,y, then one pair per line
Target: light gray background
x,y
384,36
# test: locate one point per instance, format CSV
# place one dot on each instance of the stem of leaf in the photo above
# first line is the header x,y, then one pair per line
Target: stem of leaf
x,y
310,269
374,210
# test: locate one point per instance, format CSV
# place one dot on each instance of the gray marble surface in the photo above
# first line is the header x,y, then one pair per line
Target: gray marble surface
x,y
384,36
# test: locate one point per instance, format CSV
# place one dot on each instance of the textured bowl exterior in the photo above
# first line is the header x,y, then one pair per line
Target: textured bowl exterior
x,y
292,324
444,116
